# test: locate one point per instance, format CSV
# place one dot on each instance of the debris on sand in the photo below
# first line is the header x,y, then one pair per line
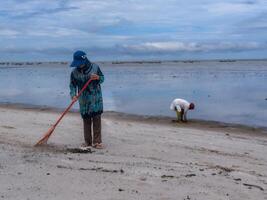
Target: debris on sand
x,y
63,167
255,186
111,171
237,179
167,176
143,179
96,169
79,150
102,170
190,175
225,169
188,198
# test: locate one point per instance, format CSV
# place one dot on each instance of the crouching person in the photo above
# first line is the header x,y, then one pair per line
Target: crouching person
x,y
181,106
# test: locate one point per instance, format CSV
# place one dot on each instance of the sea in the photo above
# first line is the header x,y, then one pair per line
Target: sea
x,y
229,91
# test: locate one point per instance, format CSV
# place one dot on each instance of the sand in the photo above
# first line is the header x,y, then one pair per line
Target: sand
x,y
144,158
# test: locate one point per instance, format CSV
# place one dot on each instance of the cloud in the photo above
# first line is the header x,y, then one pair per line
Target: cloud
x,y
256,23
28,9
132,27
8,33
176,47
229,8
146,48
236,7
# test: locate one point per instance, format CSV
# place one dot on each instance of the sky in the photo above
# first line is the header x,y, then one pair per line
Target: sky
x,y
50,30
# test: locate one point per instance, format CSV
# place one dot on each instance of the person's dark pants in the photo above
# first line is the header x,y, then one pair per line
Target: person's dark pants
x,y
87,126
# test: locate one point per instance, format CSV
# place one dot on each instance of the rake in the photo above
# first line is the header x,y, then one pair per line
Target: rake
x,y
46,136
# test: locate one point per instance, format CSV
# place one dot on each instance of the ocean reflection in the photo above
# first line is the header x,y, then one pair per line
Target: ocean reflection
x,y
232,92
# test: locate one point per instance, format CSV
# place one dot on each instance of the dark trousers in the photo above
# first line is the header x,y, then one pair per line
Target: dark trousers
x,y
87,126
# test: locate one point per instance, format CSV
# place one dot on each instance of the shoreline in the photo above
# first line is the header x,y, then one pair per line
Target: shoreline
x,y
192,123
146,61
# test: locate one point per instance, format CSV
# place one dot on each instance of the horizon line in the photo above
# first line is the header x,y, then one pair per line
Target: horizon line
x,y
145,60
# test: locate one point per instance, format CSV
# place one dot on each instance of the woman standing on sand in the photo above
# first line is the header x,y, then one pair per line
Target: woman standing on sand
x,y
90,101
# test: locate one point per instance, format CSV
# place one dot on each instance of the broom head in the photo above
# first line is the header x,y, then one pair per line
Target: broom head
x,y
45,138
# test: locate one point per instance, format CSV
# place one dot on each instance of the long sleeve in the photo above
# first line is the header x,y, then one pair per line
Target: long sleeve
x,y
90,101
73,86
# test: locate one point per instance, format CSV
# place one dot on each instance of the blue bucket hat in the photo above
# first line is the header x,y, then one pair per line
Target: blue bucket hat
x,y
79,58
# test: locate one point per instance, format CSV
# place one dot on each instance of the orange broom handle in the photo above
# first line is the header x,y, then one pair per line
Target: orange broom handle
x,y
73,101
50,131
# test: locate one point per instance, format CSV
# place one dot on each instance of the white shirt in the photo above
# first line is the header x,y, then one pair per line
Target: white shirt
x,y
180,104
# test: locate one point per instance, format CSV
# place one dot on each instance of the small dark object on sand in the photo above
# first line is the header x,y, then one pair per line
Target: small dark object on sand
x,y
190,175
237,179
167,176
225,169
79,150
256,186
120,190
188,198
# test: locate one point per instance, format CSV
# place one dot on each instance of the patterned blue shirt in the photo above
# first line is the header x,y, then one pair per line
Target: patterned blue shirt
x,y
90,101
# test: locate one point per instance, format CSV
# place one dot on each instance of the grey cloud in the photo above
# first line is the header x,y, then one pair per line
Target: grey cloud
x,y
259,22
41,12
145,49
173,47
30,8
133,27
250,2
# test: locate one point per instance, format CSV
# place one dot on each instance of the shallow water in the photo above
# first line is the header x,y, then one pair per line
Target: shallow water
x,y
232,92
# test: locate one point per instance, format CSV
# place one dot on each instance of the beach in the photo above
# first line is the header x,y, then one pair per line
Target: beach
x,y
144,158
180,87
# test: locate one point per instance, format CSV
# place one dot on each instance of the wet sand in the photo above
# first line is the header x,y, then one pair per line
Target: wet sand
x,y
144,158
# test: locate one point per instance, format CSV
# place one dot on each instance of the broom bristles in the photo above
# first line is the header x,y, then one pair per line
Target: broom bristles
x,y
46,136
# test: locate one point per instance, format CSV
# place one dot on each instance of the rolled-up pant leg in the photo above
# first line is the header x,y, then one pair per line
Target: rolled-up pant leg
x,y
87,123
178,115
97,129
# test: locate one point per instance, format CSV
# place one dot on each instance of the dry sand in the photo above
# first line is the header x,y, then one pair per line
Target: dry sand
x,y
144,158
